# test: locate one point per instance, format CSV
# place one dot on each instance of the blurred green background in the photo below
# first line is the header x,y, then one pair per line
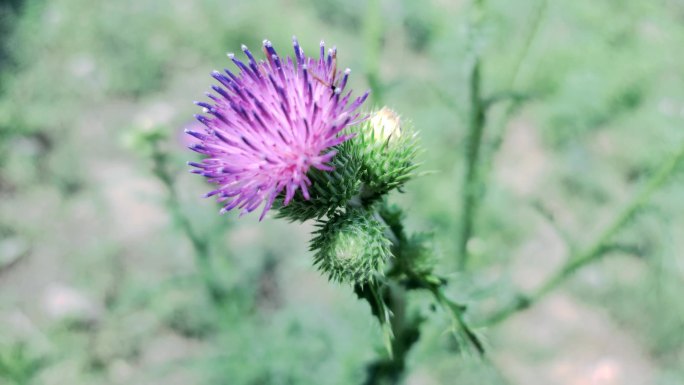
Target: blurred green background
x,y
98,282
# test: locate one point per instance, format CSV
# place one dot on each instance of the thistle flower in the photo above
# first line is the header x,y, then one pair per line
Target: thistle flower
x,y
270,123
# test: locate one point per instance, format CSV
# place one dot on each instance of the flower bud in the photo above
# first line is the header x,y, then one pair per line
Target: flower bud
x,y
379,158
386,125
386,150
351,247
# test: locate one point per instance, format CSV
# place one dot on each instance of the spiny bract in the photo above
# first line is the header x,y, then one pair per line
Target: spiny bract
x,y
351,247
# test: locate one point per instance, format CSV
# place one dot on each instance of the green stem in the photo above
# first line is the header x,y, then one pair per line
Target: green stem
x,y
390,301
514,102
529,39
404,331
598,247
476,126
456,311
373,44
199,245
475,174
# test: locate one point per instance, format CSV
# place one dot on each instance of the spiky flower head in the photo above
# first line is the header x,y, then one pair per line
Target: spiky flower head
x,y
386,149
351,247
270,123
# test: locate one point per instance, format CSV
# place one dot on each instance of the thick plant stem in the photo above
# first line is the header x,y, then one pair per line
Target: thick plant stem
x,y
598,247
199,245
388,300
476,125
471,185
404,331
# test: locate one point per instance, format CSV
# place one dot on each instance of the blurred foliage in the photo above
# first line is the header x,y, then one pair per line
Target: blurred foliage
x,y
76,75
17,365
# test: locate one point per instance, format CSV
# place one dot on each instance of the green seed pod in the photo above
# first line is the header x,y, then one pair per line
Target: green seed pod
x,y
351,247
386,151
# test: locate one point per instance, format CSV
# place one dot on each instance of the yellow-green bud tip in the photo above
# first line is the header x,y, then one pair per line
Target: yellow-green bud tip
x,y
386,125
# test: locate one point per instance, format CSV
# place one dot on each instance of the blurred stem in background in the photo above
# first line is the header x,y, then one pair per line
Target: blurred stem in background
x,y
511,95
600,246
477,170
149,143
373,31
476,123
200,245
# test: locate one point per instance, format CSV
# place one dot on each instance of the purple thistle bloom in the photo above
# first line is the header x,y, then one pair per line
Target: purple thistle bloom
x,y
269,123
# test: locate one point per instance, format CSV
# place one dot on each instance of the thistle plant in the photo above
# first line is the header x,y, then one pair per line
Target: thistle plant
x,y
284,134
